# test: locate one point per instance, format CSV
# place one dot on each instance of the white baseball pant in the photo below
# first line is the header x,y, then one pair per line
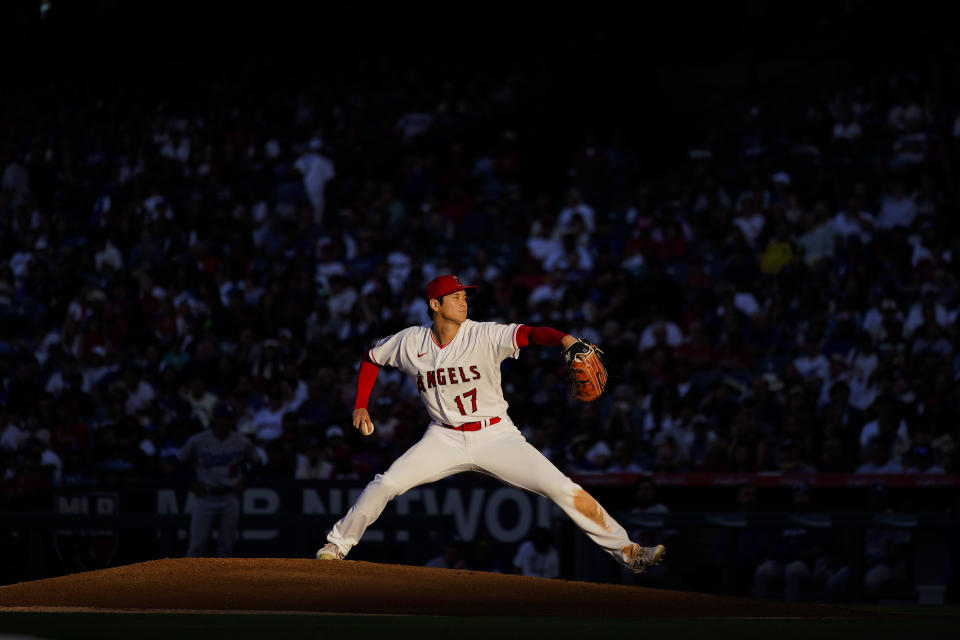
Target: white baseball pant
x,y
500,451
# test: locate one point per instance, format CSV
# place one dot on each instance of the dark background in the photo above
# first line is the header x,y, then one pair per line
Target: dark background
x,y
661,76
640,68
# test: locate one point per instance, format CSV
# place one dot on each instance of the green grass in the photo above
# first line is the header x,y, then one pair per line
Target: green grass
x,y
912,622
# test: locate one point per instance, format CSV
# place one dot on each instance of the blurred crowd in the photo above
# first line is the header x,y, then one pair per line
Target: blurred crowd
x,y
785,300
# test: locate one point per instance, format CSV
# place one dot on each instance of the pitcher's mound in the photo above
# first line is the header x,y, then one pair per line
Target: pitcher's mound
x,y
361,587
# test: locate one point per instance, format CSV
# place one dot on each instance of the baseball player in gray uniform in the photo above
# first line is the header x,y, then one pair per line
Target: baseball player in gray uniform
x,y
455,363
217,455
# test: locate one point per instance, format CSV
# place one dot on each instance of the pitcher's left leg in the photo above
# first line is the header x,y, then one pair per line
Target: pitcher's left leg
x,y
512,459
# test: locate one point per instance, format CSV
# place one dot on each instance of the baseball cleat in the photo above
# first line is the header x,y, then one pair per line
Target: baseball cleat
x,y
646,557
329,551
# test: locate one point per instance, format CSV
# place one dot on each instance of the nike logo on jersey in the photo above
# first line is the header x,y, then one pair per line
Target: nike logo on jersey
x,y
420,355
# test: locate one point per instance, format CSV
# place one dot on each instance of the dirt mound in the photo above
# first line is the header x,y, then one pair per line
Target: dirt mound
x,y
362,587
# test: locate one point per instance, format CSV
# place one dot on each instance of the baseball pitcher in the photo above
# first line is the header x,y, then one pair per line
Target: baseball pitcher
x,y
455,364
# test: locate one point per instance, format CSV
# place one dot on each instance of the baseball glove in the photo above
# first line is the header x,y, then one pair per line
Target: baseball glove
x,y
588,374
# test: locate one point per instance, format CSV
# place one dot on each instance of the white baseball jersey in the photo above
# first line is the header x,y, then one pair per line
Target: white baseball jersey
x,y
460,381
218,461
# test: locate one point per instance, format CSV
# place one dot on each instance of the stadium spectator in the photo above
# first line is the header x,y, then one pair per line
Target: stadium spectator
x,y
538,556
164,253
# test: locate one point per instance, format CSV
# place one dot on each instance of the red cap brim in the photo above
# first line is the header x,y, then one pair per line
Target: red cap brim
x,y
469,288
445,285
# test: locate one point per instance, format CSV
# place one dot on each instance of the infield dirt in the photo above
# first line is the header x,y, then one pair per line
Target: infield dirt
x,y
311,586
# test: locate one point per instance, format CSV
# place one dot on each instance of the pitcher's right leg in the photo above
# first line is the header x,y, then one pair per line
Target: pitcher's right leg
x,y
438,454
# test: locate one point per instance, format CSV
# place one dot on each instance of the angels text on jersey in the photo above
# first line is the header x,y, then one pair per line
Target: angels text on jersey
x,y
457,382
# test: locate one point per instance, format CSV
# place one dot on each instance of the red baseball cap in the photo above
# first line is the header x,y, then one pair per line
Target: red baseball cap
x,y
445,285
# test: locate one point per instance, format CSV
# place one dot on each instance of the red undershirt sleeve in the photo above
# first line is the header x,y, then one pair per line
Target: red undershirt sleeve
x,y
368,375
541,336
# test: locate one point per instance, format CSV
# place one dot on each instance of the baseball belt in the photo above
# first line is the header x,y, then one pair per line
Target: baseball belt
x,y
471,426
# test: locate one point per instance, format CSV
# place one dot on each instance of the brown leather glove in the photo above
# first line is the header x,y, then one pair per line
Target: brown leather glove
x,y
587,372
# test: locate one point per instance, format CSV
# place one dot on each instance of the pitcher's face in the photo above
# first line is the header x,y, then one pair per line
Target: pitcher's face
x,y
453,307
